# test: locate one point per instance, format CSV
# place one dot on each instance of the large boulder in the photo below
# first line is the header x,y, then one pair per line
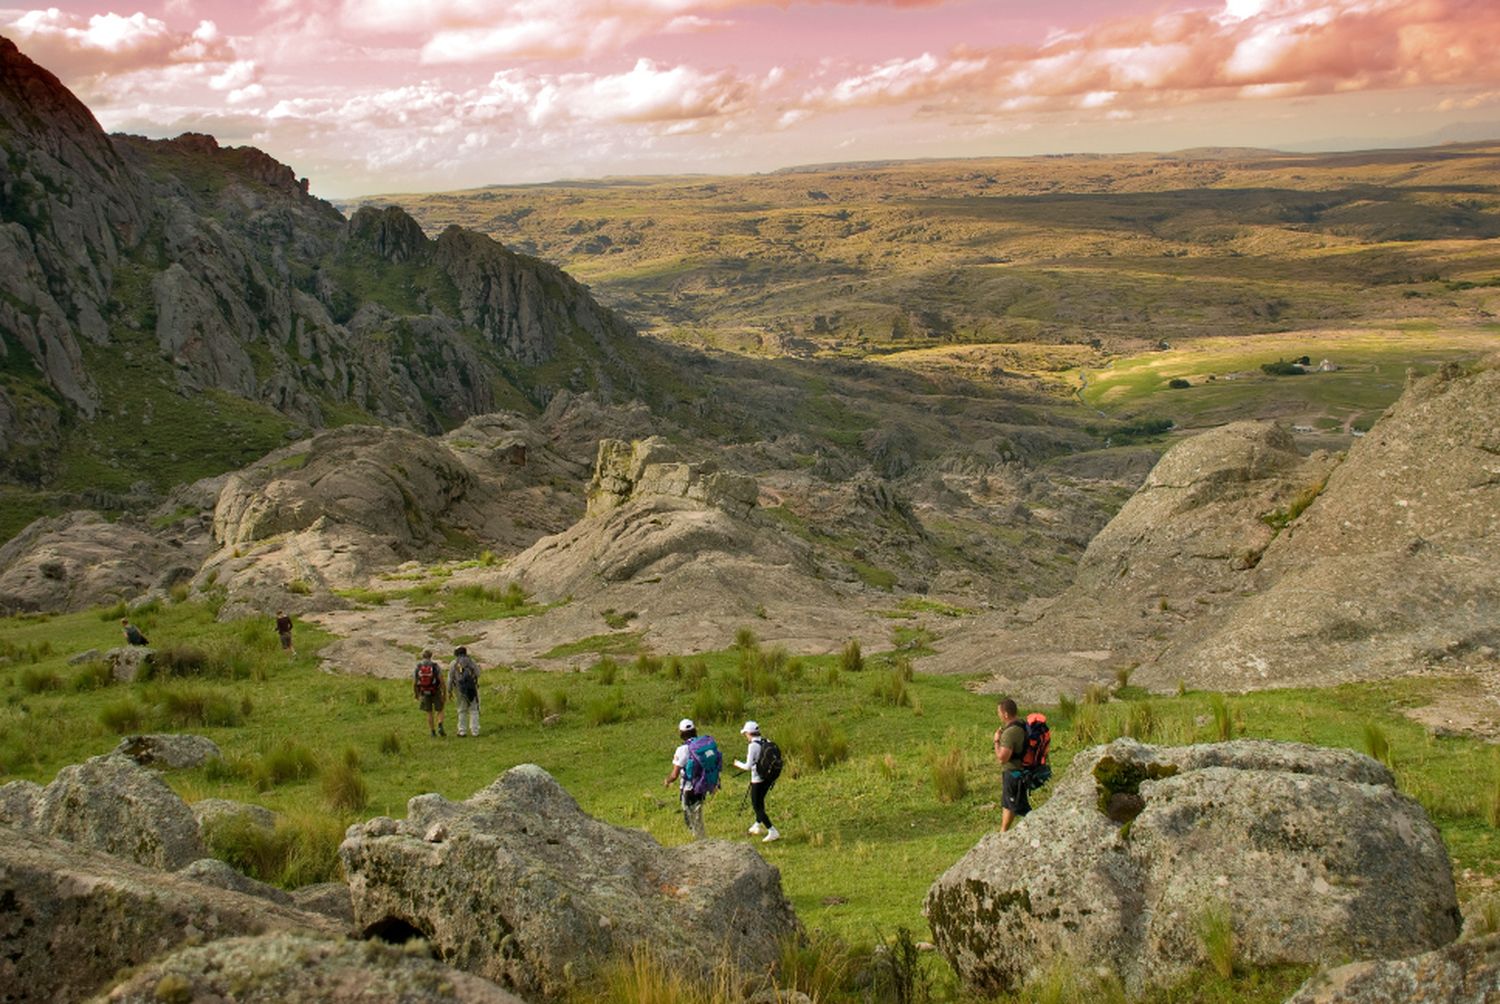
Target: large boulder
x,y
212,812
1466,972
518,885
169,751
18,801
212,871
1313,852
290,967
115,805
73,917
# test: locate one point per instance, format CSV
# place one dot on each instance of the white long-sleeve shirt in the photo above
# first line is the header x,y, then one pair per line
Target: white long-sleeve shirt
x,y
752,761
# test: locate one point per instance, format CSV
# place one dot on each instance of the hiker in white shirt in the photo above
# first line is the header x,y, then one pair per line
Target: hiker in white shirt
x,y
692,805
759,786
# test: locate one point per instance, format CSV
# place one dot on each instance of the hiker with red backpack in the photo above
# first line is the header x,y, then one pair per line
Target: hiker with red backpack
x,y
427,687
695,766
1021,748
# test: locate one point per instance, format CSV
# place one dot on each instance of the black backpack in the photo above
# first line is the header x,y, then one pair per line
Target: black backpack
x,y
771,761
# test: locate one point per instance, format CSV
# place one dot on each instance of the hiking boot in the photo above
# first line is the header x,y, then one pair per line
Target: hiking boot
x,y
434,733
771,834
441,732
755,830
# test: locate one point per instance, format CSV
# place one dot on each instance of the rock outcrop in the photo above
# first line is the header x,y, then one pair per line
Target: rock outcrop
x,y
114,805
75,917
1240,564
1312,852
274,968
518,885
168,751
212,871
1466,972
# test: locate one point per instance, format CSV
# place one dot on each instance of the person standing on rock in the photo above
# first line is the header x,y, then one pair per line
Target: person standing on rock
x,y
284,631
1010,747
133,634
463,683
692,805
427,687
756,763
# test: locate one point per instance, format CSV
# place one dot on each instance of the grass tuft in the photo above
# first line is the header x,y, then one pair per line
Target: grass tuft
x,y
948,776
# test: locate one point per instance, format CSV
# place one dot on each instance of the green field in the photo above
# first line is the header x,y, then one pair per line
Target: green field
x,y
864,837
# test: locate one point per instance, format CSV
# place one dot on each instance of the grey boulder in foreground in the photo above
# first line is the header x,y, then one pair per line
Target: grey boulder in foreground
x,y
1464,973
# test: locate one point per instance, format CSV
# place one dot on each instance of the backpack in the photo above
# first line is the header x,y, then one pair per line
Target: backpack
x,y
771,761
1034,759
468,679
429,677
702,767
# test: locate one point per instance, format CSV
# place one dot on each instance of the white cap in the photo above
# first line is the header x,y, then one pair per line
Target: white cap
x,y
750,729
685,724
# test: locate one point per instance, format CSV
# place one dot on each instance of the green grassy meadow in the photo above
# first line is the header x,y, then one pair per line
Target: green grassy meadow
x,y
865,835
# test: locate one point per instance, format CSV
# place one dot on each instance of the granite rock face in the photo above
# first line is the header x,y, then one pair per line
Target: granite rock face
x,y
519,886
276,968
114,805
106,913
168,750
1313,852
1467,972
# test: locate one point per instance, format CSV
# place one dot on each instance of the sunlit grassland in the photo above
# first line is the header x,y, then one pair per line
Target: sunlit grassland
x,y
864,837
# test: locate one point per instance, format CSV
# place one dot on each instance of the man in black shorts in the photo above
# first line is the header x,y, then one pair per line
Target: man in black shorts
x,y
1010,747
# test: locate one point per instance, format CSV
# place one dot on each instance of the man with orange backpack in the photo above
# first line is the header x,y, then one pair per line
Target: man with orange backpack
x,y
427,687
1021,749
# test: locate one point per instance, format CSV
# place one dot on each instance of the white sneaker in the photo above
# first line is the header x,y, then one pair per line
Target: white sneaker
x,y
755,830
771,835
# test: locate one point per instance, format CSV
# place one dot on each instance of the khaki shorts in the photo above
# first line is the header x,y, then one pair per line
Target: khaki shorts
x,y
432,701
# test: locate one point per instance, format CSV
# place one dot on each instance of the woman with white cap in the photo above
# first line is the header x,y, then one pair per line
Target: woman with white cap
x,y
759,785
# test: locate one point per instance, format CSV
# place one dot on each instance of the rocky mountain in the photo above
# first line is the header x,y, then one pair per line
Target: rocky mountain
x,y
1242,564
170,309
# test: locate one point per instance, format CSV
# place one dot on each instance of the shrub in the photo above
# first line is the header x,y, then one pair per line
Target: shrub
x,y
1281,367
605,710
344,786
949,777
1066,707
370,695
819,966
1223,723
641,977
93,675
290,761
850,659
113,613
615,620
1096,694
35,681
718,701
647,665
1178,383
1377,744
177,661
695,674
817,746
1216,937
832,677
1141,722
180,592
745,640
606,669
192,708
1088,726
1122,675
122,716
897,971
891,689
390,743
300,587
300,850
531,704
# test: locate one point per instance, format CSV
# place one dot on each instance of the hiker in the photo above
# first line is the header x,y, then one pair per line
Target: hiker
x,y
427,688
1010,747
763,761
463,683
133,634
284,630
684,770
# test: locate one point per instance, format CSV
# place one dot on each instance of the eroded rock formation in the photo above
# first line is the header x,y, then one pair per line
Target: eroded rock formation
x,y
1313,853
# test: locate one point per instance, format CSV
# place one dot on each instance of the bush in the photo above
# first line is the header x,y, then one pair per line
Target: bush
x,y
1141,723
605,710
290,761
531,704
718,701
301,850
1178,383
344,786
1216,937
641,977
745,640
1096,694
390,743
194,708
695,674
1223,723
819,966
1066,707
897,971
177,661
647,665
949,777
1088,726
1122,675
370,695
891,689
1376,743
817,746
122,716
850,659
1281,367
93,675
606,670
35,681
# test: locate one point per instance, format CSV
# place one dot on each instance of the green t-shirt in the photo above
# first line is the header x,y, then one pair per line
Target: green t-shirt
x,y
1014,737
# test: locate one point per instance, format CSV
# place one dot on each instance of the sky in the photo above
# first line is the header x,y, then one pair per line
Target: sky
x,y
384,96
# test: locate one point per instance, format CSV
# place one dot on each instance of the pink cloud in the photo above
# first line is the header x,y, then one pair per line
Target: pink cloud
x,y
1249,48
73,45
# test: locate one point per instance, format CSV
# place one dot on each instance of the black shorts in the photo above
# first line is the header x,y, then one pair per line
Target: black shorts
x,y
1013,793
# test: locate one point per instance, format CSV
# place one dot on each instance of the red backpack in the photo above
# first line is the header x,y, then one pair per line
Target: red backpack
x,y
1034,760
429,676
